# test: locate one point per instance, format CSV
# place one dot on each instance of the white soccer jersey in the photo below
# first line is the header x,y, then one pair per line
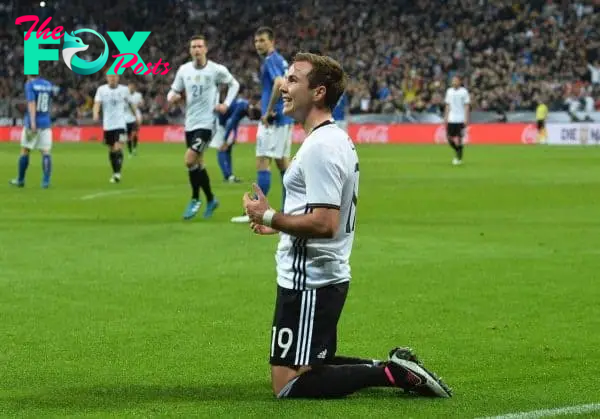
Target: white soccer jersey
x,y
114,101
324,173
136,99
201,87
456,99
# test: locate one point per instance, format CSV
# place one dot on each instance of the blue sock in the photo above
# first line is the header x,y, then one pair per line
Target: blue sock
x,y
23,164
47,167
263,179
282,190
228,157
222,157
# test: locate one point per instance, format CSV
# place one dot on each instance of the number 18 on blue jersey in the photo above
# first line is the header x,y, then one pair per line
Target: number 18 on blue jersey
x,y
40,91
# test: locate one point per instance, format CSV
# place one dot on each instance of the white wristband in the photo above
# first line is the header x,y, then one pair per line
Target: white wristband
x,y
267,218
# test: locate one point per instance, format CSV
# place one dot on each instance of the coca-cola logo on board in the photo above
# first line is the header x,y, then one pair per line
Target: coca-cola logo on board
x,y
70,134
372,134
174,135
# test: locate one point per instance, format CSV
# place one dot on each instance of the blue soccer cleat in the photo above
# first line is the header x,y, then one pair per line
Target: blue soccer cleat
x,y
45,185
192,209
211,207
17,183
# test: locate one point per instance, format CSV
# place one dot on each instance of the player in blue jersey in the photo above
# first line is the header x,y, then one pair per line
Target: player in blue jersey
x,y
274,135
339,112
226,134
37,128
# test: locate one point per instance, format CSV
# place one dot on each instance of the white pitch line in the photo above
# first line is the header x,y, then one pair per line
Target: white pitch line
x,y
152,189
122,191
105,193
546,413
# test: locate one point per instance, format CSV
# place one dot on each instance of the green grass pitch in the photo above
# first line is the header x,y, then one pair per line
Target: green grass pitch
x,y
112,306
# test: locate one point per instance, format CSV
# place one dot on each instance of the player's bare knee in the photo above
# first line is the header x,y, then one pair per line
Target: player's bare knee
x,y
277,386
280,377
263,163
189,158
192,159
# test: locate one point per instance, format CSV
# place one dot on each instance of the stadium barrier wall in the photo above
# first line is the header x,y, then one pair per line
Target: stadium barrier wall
x,y
558,134
476,117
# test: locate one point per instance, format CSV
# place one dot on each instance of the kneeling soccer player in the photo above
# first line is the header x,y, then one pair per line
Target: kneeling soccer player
x,y
316,234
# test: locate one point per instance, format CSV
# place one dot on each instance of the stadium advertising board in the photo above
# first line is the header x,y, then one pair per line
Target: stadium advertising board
x,y
563,134
574,134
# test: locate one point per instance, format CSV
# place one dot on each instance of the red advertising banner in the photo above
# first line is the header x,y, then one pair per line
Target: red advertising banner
x,y
360,133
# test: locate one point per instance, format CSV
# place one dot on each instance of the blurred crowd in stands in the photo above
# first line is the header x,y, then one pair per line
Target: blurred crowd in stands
x,y
400,54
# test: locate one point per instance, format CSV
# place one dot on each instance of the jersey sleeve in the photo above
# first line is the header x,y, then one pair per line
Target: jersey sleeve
x,y
275,67
324,177
467,97
29,92
233,86
178,86
223,75
447,98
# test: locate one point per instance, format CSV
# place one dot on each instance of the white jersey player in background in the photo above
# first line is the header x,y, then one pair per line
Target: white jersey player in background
x,y
133,121
456,117
316,231
113,98
200,79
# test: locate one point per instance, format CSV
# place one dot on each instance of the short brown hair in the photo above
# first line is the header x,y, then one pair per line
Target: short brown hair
x,y
265,30
326,72
198,38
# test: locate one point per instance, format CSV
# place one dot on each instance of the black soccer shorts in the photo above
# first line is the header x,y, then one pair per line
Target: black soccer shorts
x,y
114,136
304,328
131,126
198,139
455,130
